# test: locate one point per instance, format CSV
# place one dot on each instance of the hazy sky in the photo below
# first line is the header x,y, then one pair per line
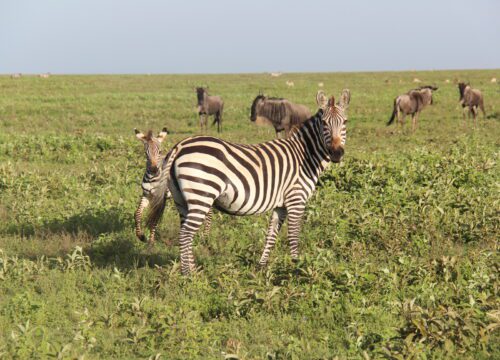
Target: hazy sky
x,y
230,36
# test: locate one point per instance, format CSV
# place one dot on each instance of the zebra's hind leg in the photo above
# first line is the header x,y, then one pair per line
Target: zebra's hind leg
x,y
190,224
295,213
143,204
208,224
277,219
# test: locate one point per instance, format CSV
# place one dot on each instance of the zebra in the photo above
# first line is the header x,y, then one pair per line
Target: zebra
x,y
278,175
153,176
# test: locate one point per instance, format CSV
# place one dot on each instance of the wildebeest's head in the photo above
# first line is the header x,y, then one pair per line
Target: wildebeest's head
x,y
334,126
461,89
253,110
152,148
426,92
201,92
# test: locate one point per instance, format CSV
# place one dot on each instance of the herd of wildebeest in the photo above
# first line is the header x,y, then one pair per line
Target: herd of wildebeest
x,y
285,115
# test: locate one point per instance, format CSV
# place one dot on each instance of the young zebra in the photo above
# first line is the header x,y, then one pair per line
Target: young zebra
x,y
251,179
153,177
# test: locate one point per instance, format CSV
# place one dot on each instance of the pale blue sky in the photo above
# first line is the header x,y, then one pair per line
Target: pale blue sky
x,y
224,36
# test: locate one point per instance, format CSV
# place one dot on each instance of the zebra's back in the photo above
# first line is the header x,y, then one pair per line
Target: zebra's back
x,y
240,179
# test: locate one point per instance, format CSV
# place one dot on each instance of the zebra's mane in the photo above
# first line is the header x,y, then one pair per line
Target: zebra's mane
x,y
149,135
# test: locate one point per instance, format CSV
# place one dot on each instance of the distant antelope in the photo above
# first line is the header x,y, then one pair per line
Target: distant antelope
x,y
412,103
207,106
471,99
416,80
493,80
44,76
276,74
281,113
320,84
16,76
290,83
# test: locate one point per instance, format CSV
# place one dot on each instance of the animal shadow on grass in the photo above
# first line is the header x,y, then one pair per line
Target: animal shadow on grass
x,y
125,253
103,234
493,116
90,221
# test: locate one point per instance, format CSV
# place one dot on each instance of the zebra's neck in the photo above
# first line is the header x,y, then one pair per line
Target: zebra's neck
x,y
313,155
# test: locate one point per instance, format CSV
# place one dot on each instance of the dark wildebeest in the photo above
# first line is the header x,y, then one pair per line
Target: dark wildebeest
x,y
209,105
281,113
412,103
471,99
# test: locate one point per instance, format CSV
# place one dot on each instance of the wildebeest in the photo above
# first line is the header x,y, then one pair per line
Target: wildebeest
x,y
470,99
281,113
209,105
412,103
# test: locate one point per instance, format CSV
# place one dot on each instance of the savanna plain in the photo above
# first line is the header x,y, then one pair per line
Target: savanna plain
x,y
399,245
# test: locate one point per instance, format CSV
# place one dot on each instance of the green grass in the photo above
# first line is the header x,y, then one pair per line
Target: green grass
x,y
399,246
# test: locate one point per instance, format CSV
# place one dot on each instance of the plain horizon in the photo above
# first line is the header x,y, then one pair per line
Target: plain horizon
x,y
223,37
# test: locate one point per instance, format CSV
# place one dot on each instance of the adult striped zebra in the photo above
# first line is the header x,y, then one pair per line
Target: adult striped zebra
x,y
281,175
153,177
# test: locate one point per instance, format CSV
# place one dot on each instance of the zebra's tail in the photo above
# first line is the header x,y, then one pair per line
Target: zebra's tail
x,y
394,111
161,193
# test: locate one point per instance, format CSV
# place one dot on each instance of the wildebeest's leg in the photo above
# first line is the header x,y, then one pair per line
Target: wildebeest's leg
x,y
481,105
414,120
295,211
143,204
464,109
401,120
277,219
474,114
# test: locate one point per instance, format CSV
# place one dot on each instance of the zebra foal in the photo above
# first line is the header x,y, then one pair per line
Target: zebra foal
x,y
153,177
278,175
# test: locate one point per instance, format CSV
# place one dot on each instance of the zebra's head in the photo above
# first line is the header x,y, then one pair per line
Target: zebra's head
x,y
152,148
333,123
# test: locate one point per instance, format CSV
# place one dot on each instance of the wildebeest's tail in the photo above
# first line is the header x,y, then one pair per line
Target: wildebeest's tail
x,y
161,193
394,111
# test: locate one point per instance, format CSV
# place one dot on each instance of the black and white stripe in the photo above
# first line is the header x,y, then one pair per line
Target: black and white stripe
x,y
279,175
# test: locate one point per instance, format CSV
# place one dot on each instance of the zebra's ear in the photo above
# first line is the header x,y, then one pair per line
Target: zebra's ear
x,y
162,135
139,135
321,99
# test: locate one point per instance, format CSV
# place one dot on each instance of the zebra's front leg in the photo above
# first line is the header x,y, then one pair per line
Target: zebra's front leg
x,y
277,219
143,204
295,214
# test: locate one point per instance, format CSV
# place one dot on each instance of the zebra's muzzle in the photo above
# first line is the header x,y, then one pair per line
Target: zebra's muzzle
x,y
336,154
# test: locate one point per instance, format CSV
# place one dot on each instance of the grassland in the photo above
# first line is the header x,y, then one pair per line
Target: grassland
x,y
399,248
